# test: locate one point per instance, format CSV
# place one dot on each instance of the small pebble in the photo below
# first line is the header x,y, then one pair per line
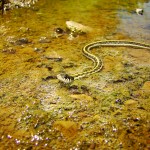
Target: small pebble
x,y
9,50
58,32
37,49
139,11
53,56
22,41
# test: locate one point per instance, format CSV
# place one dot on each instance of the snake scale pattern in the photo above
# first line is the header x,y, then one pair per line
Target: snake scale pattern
x,y
65,78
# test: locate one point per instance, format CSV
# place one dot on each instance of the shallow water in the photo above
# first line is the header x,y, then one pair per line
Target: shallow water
x,y
107,110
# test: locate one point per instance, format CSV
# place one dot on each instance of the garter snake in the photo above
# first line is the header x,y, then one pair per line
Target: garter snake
x,y
97,61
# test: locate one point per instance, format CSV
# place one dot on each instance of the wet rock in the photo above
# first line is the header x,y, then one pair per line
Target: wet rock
x,y
74,29
139,11
36,49
22,41
11,39
9,50
10,4
77,27
53,56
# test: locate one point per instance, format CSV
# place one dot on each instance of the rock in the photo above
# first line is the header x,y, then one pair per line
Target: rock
x,y
22,41
36,49
139,11
19,3
77,27
53,56
9,50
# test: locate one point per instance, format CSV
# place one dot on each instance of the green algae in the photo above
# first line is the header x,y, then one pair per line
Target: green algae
x,y
35,112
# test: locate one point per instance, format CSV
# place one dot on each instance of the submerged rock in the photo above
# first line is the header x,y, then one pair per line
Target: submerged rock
x,y
53,56
9,50
22,41
67,128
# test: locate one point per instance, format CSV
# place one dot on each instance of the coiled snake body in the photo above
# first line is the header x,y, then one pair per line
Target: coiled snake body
x,y
97,61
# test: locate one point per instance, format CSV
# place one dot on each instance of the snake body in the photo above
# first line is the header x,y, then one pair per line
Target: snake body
x,y
97,61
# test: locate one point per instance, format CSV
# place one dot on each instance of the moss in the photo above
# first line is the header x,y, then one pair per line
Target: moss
x,y
107,110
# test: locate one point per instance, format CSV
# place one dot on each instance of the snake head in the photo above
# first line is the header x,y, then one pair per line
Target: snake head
x,y
65,78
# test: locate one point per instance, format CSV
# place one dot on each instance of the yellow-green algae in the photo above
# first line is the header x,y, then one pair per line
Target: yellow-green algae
x,y
108,110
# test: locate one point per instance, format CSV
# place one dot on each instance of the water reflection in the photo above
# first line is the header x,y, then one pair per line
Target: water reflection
x,y
136,26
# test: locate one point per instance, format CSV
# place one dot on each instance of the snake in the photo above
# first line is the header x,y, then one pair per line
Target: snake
x,y
98,63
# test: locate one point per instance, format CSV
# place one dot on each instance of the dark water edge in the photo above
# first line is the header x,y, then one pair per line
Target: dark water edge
x,y
107,110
